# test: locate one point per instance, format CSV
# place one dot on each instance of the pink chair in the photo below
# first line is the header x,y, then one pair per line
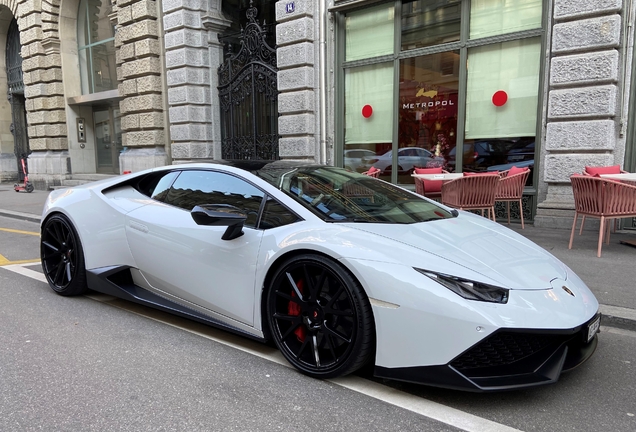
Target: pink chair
x,y
373,172
597,171
604,199
472,193
429,188
510,188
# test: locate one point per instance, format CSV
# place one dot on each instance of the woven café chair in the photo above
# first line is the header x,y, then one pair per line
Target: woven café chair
x,y
373,172
601,198
510,189
472,193
596,171
429,188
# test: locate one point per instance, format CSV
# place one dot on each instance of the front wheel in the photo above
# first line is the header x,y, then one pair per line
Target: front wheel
x,y
62,257
320,317
28,187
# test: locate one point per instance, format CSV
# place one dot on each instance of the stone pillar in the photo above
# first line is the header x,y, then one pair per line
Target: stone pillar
x,y
584,96
188,72
215,23
139,74
38,23
297,80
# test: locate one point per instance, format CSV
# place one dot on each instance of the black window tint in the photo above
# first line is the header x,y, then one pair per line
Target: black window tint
x,y
163,186
275,214
194,188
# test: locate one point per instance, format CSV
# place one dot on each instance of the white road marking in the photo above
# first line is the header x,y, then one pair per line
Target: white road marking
x,y
442,413
21,269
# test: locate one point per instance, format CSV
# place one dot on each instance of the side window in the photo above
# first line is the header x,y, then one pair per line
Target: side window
x,y
163,186
194,188
275,214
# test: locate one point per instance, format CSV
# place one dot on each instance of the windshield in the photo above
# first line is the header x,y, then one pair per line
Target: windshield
x,y
338,195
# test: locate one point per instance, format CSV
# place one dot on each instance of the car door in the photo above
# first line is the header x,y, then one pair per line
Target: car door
x,y
191,262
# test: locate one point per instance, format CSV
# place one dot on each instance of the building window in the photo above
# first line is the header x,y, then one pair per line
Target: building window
x,y
96,46
435,76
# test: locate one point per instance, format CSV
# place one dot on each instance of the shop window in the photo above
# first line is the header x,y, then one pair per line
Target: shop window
x,y
96,46
369,33
466,101
368,114
501,104
496,17
429,89
426,22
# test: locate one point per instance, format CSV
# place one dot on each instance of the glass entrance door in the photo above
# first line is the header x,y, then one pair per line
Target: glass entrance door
x,y
108,143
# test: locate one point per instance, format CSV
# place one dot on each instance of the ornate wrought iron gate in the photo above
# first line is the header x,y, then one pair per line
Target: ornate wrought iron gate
x,y
16,96
249,97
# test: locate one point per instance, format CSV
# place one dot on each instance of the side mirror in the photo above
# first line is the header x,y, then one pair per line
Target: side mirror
x,y
220,215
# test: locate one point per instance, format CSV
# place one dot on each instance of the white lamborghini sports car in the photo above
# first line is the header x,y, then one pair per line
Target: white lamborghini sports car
x,y
339,269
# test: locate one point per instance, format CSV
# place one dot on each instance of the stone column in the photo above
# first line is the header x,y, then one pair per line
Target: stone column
x,y
215,23
139,73
297,80
584,96
188,72
38,23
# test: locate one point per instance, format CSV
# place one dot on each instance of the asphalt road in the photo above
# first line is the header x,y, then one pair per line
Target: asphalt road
x,y
95,363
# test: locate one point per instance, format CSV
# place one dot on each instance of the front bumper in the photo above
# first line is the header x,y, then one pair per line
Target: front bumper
x,y
507,359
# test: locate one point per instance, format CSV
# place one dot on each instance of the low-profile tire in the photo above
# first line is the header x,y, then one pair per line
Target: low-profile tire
x,y
320,317
62,257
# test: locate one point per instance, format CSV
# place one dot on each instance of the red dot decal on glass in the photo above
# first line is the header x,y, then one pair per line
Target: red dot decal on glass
x,y
367,110
499,98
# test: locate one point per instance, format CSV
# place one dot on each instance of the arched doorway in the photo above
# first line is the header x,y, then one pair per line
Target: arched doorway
x,y
16,95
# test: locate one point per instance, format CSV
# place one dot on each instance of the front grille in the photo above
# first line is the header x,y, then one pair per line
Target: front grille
x,y
504,348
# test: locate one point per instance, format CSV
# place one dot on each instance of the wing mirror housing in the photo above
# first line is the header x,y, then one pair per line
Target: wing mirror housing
x,y
220,215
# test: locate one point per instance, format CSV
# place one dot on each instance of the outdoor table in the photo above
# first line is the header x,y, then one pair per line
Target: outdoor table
x,y
625,177
443,176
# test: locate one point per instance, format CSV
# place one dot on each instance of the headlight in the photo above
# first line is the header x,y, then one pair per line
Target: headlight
x,y
468,289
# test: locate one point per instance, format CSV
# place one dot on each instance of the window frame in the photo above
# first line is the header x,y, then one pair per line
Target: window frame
x,y
88,70
463,45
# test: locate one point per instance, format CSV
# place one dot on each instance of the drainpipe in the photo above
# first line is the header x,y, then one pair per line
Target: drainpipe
x,y
627,50
322,71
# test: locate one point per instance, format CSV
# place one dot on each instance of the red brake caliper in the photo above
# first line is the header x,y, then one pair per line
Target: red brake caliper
x,y
294,310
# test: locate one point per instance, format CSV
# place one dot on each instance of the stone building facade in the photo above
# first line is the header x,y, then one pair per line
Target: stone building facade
x,y
163,107
588,89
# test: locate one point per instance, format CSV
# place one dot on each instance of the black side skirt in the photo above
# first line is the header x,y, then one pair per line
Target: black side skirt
x,y
117,281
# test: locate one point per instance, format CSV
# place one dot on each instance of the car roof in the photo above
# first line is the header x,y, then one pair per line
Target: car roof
x,y
254,166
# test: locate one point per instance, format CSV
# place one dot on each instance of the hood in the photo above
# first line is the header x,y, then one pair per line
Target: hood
x,y
478,244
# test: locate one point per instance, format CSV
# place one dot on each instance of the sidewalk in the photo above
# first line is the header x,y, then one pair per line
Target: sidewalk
x,y
612,278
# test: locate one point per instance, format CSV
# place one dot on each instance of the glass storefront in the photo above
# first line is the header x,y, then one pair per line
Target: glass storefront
x,y
424,78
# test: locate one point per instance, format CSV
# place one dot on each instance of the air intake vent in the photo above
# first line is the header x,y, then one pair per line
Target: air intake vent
x,y
505,348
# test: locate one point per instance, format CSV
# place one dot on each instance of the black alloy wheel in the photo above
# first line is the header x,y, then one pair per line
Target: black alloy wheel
x,y
320,317
62,257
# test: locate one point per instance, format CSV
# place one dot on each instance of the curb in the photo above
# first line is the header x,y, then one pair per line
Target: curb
x,y
613,316
19,215
618,317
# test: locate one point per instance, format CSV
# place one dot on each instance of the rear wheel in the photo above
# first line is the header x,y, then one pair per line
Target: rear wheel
x,y
320,317
62,257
